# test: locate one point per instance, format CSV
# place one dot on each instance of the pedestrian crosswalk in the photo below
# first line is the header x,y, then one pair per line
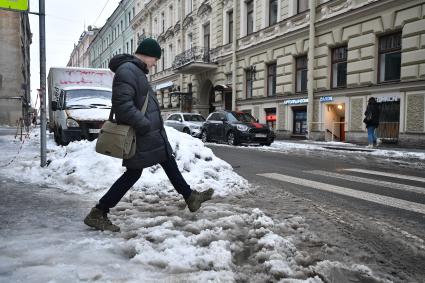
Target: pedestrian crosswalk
x,y
376,197
386,174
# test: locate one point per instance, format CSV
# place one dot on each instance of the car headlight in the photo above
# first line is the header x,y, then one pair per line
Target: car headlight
x,y
242,128
70,123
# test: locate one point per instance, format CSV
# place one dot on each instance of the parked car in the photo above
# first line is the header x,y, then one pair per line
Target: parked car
x,y
234,128
189,123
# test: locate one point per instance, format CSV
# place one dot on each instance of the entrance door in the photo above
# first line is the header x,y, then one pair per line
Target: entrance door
x,y
300,122
342,129
389,121
227,100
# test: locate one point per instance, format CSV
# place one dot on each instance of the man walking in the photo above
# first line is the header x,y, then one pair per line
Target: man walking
x,y
129,90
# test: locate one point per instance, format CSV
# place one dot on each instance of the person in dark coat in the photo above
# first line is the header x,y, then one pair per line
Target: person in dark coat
x,y
130,88
371,120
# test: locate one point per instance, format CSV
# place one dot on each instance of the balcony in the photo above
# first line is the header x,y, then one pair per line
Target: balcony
x,y
194,61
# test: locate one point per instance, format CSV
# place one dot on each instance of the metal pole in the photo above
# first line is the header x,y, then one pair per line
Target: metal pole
x,y
310,74
43,119
234,45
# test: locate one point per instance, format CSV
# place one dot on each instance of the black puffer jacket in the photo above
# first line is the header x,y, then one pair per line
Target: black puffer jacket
x,y
129,91
373,109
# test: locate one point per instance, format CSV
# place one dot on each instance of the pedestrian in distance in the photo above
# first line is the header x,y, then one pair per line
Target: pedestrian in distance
x,y
372,121
130,88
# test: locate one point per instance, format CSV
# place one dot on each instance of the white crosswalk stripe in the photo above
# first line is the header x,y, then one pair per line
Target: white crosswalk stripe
x,y
393,175
383,200
396,186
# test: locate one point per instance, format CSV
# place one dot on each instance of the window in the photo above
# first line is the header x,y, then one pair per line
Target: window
x,y
189,6
207,37
131,46
171,55
390,57
250,17
248,83
163,21
339,67
127,49
230,26
301,74
162,60
271,80
121,26
189,41
171,13
272,12
302,5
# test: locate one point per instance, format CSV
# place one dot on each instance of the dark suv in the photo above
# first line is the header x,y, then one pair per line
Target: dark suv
x,y
235,128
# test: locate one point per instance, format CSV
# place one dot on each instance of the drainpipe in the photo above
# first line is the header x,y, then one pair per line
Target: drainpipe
x,y
235,6
310,67
182,44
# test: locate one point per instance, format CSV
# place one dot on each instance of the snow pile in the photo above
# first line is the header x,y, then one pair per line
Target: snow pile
x,y
78,168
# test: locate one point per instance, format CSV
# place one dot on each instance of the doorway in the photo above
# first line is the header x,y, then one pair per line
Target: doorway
x,y
334,122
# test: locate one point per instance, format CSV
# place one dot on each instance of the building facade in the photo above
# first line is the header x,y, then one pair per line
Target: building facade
x,y
80,54
115,37
307,68
15,98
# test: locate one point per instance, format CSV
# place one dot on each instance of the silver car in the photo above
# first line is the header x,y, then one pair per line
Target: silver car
x,y
189,123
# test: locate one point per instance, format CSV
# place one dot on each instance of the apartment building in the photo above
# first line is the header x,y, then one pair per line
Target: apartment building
x,y
15,97
306,71
115,37
80,54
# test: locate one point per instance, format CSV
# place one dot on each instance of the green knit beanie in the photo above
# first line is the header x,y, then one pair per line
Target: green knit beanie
x,y
149,47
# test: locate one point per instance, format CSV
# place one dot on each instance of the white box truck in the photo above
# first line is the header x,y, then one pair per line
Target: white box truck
x,y
79,102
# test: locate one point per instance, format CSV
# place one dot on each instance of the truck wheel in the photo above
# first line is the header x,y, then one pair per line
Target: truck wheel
x,y
59,138
186,131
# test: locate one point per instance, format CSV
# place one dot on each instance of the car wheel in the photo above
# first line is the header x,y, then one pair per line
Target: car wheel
x,y
204,136
266,144
231,140
186,131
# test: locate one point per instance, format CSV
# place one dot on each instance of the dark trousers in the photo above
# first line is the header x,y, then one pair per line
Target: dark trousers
x,y
130,177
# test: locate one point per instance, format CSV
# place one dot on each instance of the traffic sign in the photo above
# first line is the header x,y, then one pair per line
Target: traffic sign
x,y
17,5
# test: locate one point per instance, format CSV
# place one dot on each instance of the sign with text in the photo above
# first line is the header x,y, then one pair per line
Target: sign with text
x,y
296,101
18,5
326,98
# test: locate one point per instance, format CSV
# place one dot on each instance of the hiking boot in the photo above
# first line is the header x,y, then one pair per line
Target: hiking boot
x,y
196,198
100,221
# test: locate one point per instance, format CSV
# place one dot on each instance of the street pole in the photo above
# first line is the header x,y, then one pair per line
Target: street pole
x,y
43,119
310,68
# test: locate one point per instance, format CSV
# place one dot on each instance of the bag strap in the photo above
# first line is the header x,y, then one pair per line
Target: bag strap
x,y
143,110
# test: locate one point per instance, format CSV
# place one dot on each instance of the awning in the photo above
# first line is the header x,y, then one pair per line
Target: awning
x,y
164,85
223,88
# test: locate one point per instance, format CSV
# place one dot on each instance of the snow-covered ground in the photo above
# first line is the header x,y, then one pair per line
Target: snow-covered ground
x,y
44,239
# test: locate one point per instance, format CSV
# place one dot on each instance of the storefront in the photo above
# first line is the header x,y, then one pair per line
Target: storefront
x,y
299,115
271,118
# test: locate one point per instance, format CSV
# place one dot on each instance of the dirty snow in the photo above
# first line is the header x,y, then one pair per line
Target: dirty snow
x,y
44,239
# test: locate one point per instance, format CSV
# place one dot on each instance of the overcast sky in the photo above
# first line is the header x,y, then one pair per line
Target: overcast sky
x,y
65,21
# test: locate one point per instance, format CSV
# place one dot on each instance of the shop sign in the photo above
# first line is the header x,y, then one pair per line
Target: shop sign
x,y
296,101
387,98
326,98
18,5
271,117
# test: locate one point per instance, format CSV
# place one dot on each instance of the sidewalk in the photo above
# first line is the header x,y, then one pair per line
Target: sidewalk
x,y
353,147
